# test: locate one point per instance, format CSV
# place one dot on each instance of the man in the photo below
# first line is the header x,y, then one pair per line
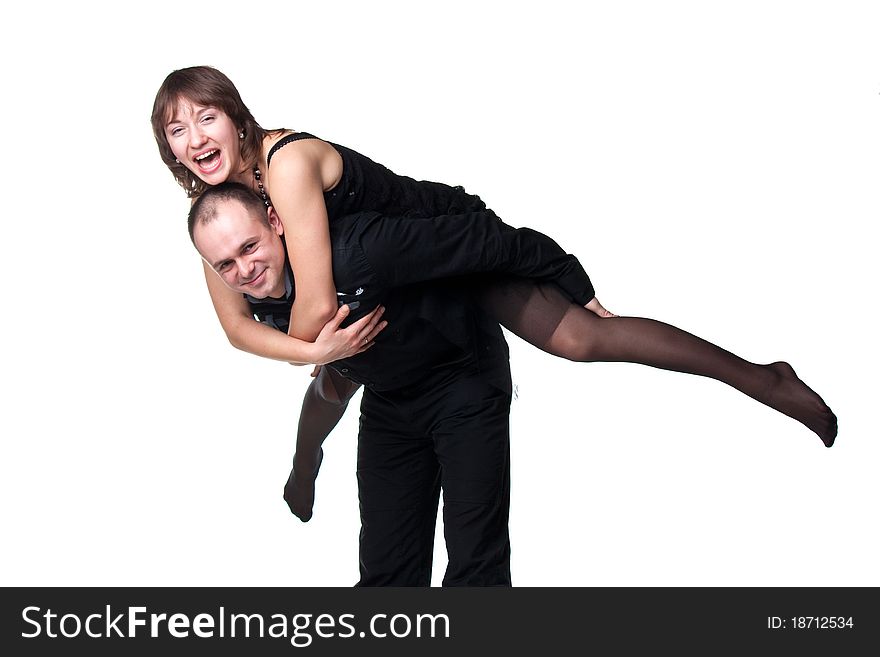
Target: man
x,y
435,409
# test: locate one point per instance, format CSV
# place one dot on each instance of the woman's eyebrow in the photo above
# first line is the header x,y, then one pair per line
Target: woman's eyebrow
x,y
175,118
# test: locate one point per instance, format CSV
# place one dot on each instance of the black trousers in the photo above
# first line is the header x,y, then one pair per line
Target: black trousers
x,y
451,432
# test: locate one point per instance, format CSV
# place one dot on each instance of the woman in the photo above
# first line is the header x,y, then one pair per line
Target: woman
x,y
206,135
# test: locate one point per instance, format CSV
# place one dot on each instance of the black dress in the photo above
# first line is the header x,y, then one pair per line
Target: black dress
x,y
528,293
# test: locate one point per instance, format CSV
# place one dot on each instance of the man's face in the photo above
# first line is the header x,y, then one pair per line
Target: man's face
x,y
245,252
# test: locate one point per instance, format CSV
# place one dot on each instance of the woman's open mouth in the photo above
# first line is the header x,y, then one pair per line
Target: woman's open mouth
x,y
209,161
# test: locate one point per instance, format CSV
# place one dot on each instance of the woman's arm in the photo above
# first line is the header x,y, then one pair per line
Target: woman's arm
x,y
247,334
296,184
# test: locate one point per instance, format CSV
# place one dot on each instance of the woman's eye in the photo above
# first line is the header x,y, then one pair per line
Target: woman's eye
x,y
176,131
207,118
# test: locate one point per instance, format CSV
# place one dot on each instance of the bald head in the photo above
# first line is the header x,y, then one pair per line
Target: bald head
x,y
207,206
240,239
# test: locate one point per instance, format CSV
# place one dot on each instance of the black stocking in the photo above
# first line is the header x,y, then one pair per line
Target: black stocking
x,y
324,403
542,316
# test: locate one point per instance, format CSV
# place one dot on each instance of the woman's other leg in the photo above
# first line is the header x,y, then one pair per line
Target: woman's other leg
x,y
541,315
324,404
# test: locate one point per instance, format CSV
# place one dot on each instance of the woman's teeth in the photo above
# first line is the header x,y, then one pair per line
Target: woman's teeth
x,y
208,161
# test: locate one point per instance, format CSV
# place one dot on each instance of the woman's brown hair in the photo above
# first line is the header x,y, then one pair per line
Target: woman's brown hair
x,y
206,86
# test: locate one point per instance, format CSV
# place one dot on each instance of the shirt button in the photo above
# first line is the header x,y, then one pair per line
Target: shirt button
x,y
345,370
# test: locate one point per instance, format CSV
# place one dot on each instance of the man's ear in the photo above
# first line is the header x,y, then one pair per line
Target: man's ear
x,y
275,221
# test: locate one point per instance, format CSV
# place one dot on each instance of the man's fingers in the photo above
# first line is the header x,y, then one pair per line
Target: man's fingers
x,y
598,309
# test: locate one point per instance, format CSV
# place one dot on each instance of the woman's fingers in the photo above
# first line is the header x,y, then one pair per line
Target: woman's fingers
x,y
338,318
376,331
365,330
362,324
374,326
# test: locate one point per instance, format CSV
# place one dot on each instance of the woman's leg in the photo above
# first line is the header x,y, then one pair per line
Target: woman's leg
x,y
542,316
324,403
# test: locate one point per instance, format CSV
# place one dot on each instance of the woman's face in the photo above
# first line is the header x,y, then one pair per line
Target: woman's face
x,y
205,141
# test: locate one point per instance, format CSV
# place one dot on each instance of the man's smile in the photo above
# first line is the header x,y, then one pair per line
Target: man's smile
x,y
256,280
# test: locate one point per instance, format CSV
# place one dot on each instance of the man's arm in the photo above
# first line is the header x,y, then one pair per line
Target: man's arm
x,y
324,404
411,250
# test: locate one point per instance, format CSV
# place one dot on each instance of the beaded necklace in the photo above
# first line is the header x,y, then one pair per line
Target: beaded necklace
x,y
259,178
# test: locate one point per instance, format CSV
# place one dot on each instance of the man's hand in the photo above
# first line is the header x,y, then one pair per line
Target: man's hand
x,y
595,307
334,343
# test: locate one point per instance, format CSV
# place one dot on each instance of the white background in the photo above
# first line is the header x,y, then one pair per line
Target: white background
x,y
714,165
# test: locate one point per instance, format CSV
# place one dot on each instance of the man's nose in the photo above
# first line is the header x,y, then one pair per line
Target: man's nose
x,y
245,268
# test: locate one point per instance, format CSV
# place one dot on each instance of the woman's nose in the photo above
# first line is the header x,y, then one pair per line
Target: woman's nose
x,y
196,136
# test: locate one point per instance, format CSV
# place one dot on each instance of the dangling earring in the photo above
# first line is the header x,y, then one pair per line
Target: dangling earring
x,y
241,134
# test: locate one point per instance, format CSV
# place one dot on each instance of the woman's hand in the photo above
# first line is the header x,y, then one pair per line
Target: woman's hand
x,y
334,343
595,307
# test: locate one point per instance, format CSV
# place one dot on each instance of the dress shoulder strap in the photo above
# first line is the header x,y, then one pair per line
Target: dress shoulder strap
x,y
284,141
